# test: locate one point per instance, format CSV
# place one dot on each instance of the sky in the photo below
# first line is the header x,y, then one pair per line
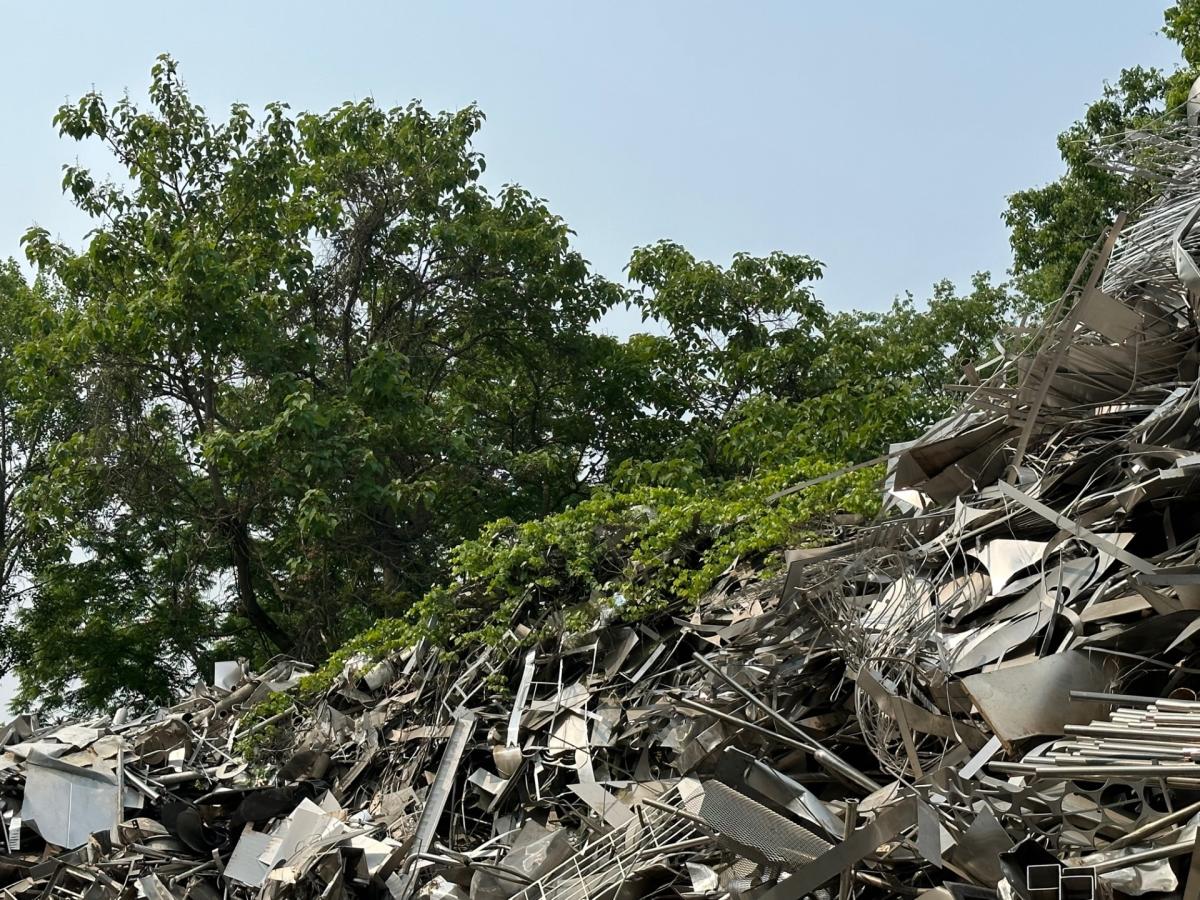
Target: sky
x,y
879,137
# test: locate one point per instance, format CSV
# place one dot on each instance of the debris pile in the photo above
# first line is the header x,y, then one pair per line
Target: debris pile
x,y
991,691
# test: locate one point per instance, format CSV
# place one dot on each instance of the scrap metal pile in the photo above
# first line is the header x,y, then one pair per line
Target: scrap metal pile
x,y
990,691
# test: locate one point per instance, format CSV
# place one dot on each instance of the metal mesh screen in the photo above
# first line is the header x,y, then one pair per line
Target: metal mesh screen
x,y
755,827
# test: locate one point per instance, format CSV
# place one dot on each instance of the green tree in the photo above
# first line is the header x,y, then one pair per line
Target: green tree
x,y
317,355
37,408
663,530
752,369
1052,226
311,355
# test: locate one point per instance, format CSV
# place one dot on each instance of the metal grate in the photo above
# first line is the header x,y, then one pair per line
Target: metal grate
x,y
602,866
756,828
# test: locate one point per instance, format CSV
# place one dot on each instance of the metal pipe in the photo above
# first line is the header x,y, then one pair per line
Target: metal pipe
x,y
846,885
1155,826
1141,771
742,723
1131,699
1134,859
1012,768
1146,752
1149,734
681,813
180,777
1179,703
820,753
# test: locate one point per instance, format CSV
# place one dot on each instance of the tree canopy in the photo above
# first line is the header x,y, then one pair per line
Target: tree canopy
x,y
302,358
1052,226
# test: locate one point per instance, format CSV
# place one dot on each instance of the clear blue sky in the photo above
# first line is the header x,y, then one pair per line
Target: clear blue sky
x,y
880,137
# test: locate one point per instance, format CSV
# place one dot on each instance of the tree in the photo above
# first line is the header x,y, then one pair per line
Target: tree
x,y
317,354
36,409
730,334
753,368
312,355
806,393
1052,226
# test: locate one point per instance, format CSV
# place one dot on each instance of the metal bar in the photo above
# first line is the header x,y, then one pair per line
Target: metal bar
x,y
1130,699
439,794
1076,530
820,753
1138,770
1134,859
1148,733
846,885
1152,828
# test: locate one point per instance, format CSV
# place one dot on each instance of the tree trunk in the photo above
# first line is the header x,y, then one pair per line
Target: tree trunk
x,y
239,545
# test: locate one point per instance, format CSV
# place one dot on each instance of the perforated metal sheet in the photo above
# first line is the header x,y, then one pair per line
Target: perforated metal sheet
x,y
755,827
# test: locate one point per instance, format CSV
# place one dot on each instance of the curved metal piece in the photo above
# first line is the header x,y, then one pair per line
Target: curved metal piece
x,y
1185,263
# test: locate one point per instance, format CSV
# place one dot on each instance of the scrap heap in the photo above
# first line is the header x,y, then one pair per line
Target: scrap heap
x,y
990,691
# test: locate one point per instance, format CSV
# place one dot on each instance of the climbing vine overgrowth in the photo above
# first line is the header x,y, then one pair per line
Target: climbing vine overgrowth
x,y
624,553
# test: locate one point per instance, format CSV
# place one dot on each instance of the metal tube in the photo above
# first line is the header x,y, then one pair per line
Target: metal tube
x,y
1141,771
1154,827
1134,859
1179,703
742,723
180,777
1131,699
1012,768
846,885
821,754
1174,735
681,813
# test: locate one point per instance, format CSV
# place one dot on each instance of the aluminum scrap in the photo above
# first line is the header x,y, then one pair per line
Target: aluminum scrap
x,y
989,691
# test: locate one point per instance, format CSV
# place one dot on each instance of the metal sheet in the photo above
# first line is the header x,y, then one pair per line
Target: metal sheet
x,y
1034,700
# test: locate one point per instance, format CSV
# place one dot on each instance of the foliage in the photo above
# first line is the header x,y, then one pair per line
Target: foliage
x,y
317,355
663,530
814,398
753,369
625,553
39,409
25,421
310,358
1052,226
630,551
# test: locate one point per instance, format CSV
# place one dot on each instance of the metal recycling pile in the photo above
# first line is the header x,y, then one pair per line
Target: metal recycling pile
x,y
990,691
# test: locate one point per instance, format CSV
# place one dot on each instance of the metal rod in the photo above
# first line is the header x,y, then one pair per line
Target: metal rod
x,y
1139,770
1154,827
846,885
1101,697
1012,768
681,813
742,723
1146,734
1134,859
821,754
